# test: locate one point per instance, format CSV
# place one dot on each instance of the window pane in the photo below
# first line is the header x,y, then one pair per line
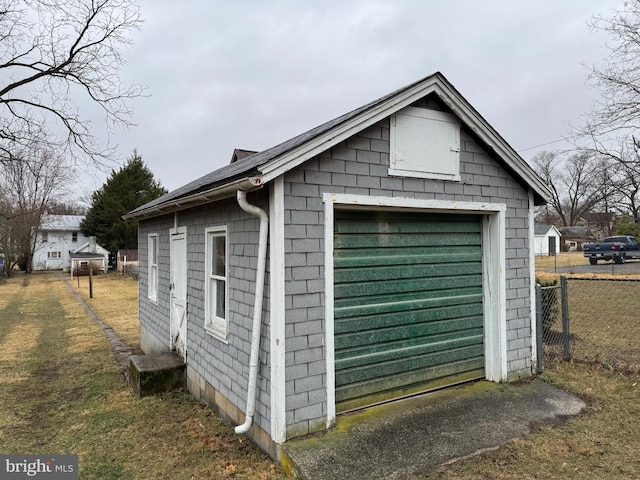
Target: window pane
x,y
211,299
220,298
219,256
153,278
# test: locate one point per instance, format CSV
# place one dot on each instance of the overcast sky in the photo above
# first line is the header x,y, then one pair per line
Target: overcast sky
x,y
251,74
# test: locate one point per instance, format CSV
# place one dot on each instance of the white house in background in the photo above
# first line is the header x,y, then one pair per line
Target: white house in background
x,y
546,240
57,236
59,240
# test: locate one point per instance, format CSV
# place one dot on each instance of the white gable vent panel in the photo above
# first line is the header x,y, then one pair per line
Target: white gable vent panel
x,y
425,143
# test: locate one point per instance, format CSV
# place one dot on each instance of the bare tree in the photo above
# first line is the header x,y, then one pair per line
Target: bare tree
x,y
54,55
622,170
617,114
576,183
27,186
609,131
625,172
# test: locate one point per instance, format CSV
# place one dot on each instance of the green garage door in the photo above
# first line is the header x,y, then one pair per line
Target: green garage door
x,y
408,303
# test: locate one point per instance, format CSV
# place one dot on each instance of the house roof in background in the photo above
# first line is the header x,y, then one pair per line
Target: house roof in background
x,y
543,229
85,247
264,166
64,223
86,255
576,231
599,217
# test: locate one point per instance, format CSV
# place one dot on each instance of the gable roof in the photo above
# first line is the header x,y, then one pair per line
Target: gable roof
x,y
255,170
86,247
543,229
61,223
576,231
603,218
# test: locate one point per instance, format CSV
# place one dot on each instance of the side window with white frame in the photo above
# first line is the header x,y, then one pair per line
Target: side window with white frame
x,y
152,277
425,143
216,293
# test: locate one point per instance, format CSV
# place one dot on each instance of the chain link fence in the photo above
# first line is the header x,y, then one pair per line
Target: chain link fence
x,y
130,270
590,320
551,325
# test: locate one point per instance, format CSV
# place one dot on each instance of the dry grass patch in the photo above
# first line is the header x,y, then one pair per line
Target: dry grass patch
x,y
605,323
8,289
76,401
115,302
602,443
19,342
562,260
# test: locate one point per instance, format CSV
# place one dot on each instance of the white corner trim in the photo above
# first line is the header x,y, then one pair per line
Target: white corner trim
x,y
494,274
329,318
532,283
277,312
495,293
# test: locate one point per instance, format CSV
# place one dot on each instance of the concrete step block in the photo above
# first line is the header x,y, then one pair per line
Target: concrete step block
x,y
151,374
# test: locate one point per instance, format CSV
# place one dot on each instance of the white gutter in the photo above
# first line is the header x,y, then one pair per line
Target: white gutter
x,y
257,309
190,201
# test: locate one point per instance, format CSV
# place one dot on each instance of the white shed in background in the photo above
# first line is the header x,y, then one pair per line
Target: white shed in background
x,y
546,240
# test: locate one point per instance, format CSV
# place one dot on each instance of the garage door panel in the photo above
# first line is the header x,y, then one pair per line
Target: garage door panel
x,y
416,272
374,288
396,241
419,362
368,305
407,256
386,222
358,323
408,303
364,381
376,337
407,347
349,397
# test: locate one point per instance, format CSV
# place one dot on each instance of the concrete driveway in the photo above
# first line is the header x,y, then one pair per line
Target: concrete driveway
x,y
414,436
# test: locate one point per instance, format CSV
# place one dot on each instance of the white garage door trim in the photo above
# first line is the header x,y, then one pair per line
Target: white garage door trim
x,y
494,283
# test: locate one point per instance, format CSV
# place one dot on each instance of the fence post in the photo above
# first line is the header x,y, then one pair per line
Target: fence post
x,y
539,332
90,281
564,292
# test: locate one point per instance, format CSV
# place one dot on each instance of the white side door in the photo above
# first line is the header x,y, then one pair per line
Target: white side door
x,y
178,286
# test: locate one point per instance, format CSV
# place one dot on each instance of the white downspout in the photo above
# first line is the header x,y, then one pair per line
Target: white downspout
x,y
257,309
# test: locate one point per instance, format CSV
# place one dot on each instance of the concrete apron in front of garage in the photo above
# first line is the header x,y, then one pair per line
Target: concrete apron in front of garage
x,y
415,435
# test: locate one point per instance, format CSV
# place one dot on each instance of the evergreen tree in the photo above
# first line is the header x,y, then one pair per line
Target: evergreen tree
x,y
128,188
627,226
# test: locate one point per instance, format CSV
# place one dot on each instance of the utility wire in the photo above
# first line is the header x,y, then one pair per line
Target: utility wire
x,y
561,139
